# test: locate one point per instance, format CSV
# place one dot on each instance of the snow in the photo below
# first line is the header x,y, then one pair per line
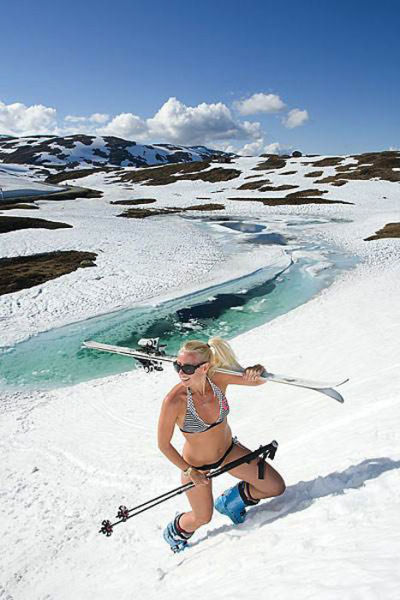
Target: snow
x,y
12,185
71,456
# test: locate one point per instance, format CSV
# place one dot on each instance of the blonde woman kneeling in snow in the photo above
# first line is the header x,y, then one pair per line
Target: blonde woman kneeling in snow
x,y
198,406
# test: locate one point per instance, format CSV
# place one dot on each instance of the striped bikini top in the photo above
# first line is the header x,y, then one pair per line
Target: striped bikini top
x,y
193,422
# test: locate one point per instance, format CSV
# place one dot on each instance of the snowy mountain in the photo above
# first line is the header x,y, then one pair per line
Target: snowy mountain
x,y
79,151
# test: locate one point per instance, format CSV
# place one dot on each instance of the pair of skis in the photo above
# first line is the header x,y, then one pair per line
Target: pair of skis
x,y
153,360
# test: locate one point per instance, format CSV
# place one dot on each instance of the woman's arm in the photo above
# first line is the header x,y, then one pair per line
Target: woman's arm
x,y
251,377
166,424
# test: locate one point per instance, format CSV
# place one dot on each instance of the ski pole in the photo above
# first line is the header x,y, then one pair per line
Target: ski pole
x,y
267,451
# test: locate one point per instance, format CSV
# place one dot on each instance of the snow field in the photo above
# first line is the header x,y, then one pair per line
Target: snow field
x,y
71,456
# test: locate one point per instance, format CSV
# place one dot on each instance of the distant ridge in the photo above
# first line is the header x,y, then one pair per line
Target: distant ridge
x,y
81,151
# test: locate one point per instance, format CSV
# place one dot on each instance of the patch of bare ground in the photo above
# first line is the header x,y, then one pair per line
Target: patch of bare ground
x,y
135,202
142,213
279,188
288,173
252,177
330,161
306,193
203,207
69,194
179,172
314,173
202,198
8,224
21,272
274,162
290,201
391,230
18,206
78,173
332,179
371,165
253,185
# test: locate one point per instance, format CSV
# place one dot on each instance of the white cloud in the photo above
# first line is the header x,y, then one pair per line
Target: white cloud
x,y
258,147
201,124
99,118
295,118
18,119
94,118
252,148
73,119
125,125
274,148
260,103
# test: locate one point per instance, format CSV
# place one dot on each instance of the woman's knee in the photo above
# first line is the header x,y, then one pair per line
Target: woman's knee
x,y
273,488
279,487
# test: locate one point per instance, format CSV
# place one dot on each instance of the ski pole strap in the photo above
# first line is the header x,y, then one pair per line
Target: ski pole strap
x,y
263,452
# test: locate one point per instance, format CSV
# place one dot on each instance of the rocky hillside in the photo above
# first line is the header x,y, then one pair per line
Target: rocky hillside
x,y
81,151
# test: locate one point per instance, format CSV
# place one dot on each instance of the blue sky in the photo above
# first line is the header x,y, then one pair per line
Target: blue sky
x,y
336,63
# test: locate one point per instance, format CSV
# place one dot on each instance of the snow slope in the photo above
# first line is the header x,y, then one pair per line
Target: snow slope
x,y
71,456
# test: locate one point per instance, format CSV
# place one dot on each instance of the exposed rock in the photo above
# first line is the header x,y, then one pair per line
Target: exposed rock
x,y
390,230
306,193
330,161
179,172
314,174
254,185
142,213
296,154
278,188
18,206
21,272
274,162
77,174
135,202
205,207
8,224
288,173
332,179
371,165
290,201
69,193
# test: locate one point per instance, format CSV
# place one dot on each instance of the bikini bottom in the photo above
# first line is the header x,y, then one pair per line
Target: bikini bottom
x,y
219,462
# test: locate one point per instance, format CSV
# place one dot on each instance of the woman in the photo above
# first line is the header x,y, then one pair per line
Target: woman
x,y
198,406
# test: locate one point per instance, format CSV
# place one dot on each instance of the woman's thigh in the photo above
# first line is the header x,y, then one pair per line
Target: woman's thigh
x,y
271,485
200,499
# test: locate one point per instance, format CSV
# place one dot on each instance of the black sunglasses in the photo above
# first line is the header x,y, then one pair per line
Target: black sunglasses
x,y
187,369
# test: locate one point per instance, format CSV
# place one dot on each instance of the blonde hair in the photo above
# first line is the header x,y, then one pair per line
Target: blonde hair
x,y
217,352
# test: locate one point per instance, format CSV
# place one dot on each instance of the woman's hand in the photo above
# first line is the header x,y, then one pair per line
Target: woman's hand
x,y
253,373
197,477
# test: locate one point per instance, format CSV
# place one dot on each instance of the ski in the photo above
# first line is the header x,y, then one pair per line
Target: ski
x,y
152,361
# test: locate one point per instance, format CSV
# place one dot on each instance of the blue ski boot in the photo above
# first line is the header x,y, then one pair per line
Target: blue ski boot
x,y
175,536
233,502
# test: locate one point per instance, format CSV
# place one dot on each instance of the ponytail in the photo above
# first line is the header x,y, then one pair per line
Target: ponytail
x,y
217,352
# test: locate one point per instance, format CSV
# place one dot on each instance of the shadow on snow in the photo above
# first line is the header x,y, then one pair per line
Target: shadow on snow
x,y
303,494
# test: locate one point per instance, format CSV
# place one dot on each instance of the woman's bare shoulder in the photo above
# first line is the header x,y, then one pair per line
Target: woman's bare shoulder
x,y
220,380
175,395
